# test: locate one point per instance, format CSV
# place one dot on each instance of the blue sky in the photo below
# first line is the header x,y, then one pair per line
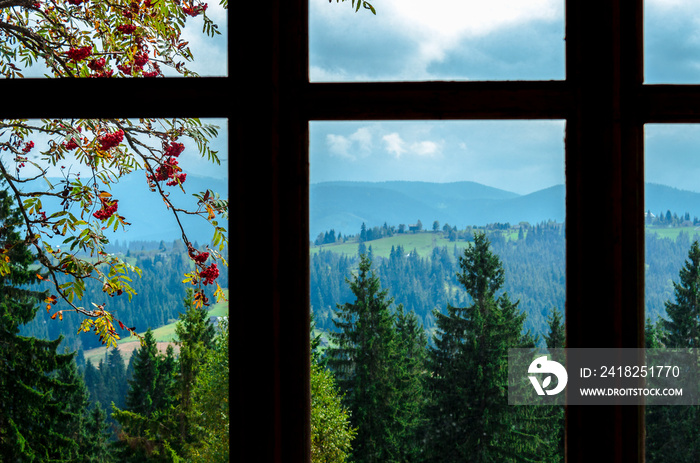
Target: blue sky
x,y
211,59
211,53
477,40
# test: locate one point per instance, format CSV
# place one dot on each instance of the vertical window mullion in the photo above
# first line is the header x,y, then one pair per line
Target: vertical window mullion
x,y
604,187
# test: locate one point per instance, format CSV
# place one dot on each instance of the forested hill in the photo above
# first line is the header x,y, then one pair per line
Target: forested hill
x,y
158,301
344,206
419,270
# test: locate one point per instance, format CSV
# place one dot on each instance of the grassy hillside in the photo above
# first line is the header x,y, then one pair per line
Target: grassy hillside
x,y
423,242
672,233
164,335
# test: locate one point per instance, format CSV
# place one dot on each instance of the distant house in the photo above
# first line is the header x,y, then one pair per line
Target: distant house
x,y
414,228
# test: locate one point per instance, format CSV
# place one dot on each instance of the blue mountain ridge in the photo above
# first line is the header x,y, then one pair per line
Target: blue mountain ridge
x,y
344,206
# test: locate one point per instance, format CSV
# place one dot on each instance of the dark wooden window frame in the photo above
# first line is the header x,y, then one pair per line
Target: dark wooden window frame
x,y
269,102
605,104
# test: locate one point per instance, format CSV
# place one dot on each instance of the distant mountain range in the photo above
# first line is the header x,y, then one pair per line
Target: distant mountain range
x,y
344,206
146,211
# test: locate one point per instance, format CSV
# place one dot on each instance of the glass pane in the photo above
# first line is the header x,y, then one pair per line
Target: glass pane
x,y
443,40
672,222
407,205
166,38
671,41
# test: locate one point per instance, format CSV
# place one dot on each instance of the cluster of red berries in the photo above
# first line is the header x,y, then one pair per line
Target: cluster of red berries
x,y
28,147
75,2
140,61
169,170
110,140
71,145
179,178
126,28
108,208
210,274
98,65
195,10
174,149
201,257
79,54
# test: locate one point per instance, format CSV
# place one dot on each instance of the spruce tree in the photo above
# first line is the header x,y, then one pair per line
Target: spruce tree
x,y
410,377
362,362
682,328
470,419
94,444
146,431
211,401
115,374
39,389
140,397
195,337
672,430
556,337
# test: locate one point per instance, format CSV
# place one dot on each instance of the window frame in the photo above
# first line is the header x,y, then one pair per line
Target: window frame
x,y
605,103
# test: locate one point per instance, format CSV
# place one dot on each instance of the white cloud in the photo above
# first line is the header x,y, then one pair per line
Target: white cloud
x,y
433,28
425,148
363,137
394,144
470,17
338,145
397,146
358,144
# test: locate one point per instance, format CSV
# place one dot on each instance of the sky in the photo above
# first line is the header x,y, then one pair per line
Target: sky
x,y
411,40
190,160
210,53
211,59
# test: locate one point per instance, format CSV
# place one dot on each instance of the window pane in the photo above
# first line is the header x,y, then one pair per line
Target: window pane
x,y
413,198
101,39
443,40
672,223
671,41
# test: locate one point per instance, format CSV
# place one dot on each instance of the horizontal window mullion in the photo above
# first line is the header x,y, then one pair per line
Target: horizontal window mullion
x,y
669,103
435,100
110,98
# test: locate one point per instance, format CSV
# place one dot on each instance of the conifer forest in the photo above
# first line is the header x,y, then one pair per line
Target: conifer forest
x,y
412,349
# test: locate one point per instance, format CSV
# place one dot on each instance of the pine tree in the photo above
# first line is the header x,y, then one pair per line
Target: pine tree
x,y
682,329
140,397
146,430
555,339
362,362
410,377
116,371
211,401
469,413
39,388
94,443
196,336
672,430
